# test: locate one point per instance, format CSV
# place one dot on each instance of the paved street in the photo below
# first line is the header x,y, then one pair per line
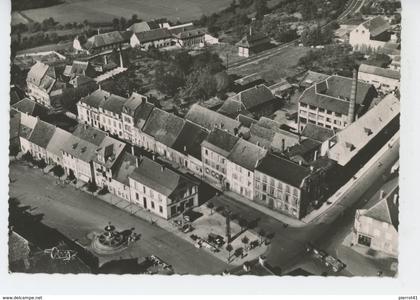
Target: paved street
x,y
76,214
287,249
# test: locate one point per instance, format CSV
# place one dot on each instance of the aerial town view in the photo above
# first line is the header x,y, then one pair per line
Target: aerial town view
x,y
223,137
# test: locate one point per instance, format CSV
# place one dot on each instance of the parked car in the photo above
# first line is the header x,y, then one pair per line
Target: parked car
x,y
334,263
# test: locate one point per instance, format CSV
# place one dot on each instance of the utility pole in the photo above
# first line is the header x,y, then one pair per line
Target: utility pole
x,y
227,215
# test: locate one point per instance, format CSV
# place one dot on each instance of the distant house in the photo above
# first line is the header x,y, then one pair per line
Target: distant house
x,y
251,43
335,102
120,183
247,82
111,115
88,108
163,192
191,38
311,78
102,42
54,153
27,125
377,227
384,79
215,150
149,25
78,68
156,38
258,100
240,166
285,186
370,35
42,82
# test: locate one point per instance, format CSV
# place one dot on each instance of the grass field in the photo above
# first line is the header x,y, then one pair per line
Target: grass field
x,y
106,10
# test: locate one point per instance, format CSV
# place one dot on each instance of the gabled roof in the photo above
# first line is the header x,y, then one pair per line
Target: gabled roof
x,y
376,26
311,78
220,141
30,107
110,149
334,93
90,134
59,137
14,124
250,40
163,126
147,25
246,121
246,154
210,119
385,210
124,168
42,134
317,133
27,124
374,70
113,103
305,149
105,39
254,96
159,178
153,35
349,141
77,68
231,108
190,33
189,140
42,75
133,103
283,169
142,114
96,98
79,148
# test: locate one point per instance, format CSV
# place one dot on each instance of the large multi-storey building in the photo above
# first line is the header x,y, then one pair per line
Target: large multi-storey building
x,y
335,102
241,163
160,190
214,152
286,186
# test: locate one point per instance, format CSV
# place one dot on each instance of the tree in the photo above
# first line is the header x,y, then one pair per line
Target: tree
x,y
58,171
260,9
261,233
239,252
243,223
245,241
229,249
71,176
210,205
14,150
28,157
41,163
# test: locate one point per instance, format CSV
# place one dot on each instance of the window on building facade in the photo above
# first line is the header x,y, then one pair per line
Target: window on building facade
x,y
160,209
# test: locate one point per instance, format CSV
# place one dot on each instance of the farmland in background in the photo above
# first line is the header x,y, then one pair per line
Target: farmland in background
x,y
106,10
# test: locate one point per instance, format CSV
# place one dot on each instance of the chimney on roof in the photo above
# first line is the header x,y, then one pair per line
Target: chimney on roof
x,y
121,60
381,194
162,168
353,94
153,157
283,145
316,155
185,148
300,162
99,31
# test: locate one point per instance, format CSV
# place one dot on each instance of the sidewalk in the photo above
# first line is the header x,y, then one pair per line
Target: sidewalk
x,y
339,196
282,218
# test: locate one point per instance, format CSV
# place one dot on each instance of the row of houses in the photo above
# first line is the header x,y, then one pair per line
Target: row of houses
x,y
223,151
145,35
92,156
